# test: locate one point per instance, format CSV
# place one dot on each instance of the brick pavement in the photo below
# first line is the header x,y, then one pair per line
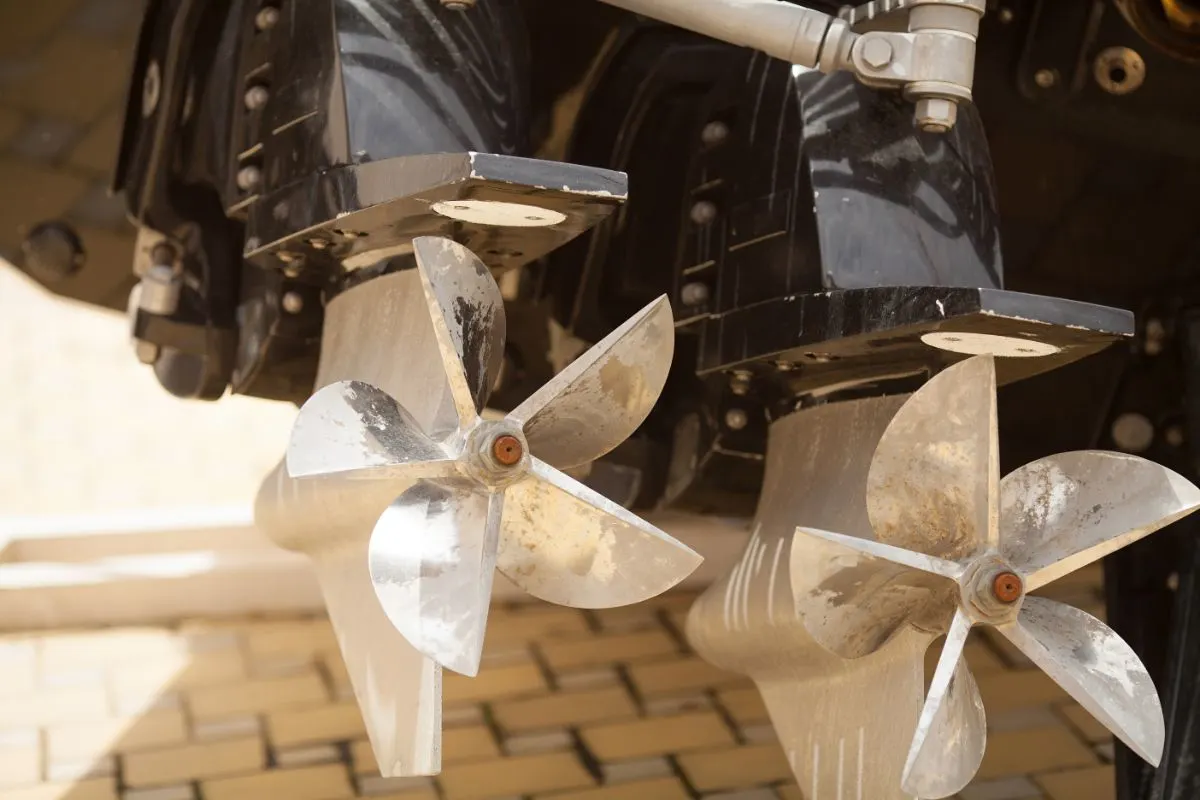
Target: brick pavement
x,y
570,705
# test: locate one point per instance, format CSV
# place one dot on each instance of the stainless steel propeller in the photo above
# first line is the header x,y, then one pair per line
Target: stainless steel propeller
x,y
955,546
423,507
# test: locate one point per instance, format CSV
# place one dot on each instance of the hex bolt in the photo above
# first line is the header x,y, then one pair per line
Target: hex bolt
x,y
507,450
249,178
267,18
736,419
876,52
1132,432
936,114
694,294
714,133
292,302
256,97
1007,587
703,212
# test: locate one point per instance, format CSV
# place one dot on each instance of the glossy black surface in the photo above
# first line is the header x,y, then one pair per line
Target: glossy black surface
x,y
824,184
356,216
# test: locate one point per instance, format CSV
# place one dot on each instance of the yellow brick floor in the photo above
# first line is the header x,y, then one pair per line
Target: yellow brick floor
x,y
570,705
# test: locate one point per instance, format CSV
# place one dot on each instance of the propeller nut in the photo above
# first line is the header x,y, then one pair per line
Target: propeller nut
x,y
1007,587
507,450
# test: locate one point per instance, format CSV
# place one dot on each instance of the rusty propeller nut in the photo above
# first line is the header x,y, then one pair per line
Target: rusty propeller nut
x,y
1007,587
507,450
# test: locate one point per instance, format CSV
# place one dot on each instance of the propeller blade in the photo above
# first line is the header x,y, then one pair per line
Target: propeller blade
x,y
933,485
565,543
352,429
952,732
887,552
1065,511
398,690
601,398
467,311
1096,667
854,595
432,557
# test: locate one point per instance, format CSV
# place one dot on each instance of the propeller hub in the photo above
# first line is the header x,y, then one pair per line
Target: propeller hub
x,y
992,591
497,453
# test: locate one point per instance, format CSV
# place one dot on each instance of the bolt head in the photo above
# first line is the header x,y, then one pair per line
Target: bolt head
x,y
267,18
714,133
736,419
1045,78
876,52
936,114
1133,432
52,252
1007,587
249,178
292,302
703,212
256,97
507,450
1006,15
694,294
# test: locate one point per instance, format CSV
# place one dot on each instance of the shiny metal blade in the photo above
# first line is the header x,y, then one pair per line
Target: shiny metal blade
x,y
887,552
853,597
1065,511
601,398
398,690
432,557
934,481
952,732
352,429
467,311
1096,667
565,543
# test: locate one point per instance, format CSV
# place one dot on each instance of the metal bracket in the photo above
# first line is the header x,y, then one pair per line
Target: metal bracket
x,y
933,62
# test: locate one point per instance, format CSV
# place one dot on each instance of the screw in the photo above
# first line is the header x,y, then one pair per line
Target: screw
x,y
936,114
694,294
256,97
1045,78
1007,587
248,178
703,212
876,52
507,450
736,419
52,252
1132,432
714,133
267,18
293,303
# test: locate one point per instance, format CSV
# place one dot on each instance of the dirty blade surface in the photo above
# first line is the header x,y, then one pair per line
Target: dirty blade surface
x,y
948,746
432,557
467,311
601,398
936,473
566,543
1096,667
352,429
1063,512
